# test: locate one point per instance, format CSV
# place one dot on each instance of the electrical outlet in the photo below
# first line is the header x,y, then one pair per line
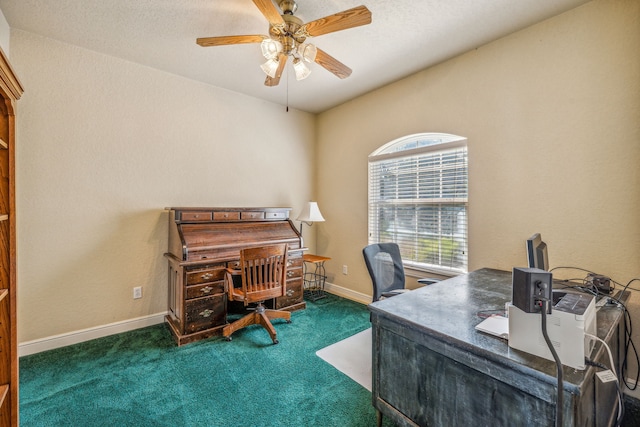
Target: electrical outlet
x,y
345,270
137,292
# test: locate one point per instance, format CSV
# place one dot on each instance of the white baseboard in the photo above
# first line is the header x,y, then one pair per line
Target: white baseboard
x,y
75,337
347,293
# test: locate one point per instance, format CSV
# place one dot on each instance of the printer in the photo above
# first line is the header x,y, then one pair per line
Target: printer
x,y
573,316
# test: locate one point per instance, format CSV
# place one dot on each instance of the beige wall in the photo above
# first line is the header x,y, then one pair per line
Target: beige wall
x,y
552,116
103,146
5,32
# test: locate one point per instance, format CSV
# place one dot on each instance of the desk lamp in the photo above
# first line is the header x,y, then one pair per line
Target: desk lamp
x,y
309,215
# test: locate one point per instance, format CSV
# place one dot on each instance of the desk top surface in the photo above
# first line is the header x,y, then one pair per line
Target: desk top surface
x,y
450,310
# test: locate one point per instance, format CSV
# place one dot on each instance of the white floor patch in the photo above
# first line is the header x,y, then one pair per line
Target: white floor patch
x,y
352,357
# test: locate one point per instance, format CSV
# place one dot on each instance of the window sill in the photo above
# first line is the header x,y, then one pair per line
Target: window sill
x,y
420,273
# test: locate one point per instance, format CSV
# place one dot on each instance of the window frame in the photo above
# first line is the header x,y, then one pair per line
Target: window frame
x,y
427,200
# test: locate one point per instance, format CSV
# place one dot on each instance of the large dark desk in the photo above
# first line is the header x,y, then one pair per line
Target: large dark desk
x,y
432,368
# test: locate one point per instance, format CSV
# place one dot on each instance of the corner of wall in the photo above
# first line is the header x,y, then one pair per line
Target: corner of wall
x,y
5,31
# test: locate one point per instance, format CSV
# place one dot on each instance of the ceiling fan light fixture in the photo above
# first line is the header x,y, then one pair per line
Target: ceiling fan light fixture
x,y
302,71
287,35
270,48
308,52
270,67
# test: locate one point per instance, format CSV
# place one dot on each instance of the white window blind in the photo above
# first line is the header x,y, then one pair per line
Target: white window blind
x,y
418,199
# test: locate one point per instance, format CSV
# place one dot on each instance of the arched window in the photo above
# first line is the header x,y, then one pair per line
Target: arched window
x,y
418,199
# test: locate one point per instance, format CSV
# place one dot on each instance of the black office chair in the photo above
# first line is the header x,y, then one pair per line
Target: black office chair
x,y
384,263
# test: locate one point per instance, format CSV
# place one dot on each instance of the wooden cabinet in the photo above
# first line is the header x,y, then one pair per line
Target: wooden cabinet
x,y
197,300
203,242
10,91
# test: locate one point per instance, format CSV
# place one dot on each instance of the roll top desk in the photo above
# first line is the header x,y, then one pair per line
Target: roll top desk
x,y
203,242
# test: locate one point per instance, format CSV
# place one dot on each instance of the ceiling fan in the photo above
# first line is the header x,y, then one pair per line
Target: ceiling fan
x,y
287,36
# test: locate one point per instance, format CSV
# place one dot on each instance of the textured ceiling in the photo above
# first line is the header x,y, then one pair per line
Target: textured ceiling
x,y
404,37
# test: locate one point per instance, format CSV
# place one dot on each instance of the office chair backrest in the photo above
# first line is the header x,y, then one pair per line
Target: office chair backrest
x,y
264,271
384,263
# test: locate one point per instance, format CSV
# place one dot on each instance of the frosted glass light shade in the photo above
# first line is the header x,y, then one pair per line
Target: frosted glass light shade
x,y
310,213
270,67
270,48
302,71
308,52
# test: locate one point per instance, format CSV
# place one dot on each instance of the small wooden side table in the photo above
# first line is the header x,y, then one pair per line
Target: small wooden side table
x,y
314,281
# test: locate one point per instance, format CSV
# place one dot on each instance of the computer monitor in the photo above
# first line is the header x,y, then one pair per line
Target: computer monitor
x,y
537,252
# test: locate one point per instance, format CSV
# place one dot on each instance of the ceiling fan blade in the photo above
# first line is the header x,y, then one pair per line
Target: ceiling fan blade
x,y
332,65
273,81
269,11
226,40
340,21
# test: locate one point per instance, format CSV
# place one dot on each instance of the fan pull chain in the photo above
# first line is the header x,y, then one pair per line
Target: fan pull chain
x,y
287,90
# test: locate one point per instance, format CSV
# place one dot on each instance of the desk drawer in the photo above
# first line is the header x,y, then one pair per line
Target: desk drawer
x,y
252,215
205,289
293,273
276,215
205,313
294,294
226,216
195,216
205,276
294,263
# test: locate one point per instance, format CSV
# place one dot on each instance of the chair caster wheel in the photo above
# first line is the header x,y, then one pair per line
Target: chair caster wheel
x,y
275,342
288,321
228,338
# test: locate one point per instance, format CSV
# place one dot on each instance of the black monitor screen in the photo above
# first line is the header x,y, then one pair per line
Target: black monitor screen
x,y
537,253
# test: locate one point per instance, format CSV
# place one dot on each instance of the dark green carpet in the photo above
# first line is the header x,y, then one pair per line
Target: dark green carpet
x,y
631,412
140,378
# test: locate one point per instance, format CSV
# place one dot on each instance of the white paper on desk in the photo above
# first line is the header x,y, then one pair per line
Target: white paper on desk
x,y
495,325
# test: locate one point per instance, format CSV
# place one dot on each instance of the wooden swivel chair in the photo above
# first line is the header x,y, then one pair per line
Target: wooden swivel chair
x,y
264,276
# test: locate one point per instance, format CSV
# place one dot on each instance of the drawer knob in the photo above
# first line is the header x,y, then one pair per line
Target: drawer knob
x,y
207,276
206,313
290,273
289,292
289,263
206,289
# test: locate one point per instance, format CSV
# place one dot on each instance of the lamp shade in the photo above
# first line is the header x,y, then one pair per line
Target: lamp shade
x,y
311,213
